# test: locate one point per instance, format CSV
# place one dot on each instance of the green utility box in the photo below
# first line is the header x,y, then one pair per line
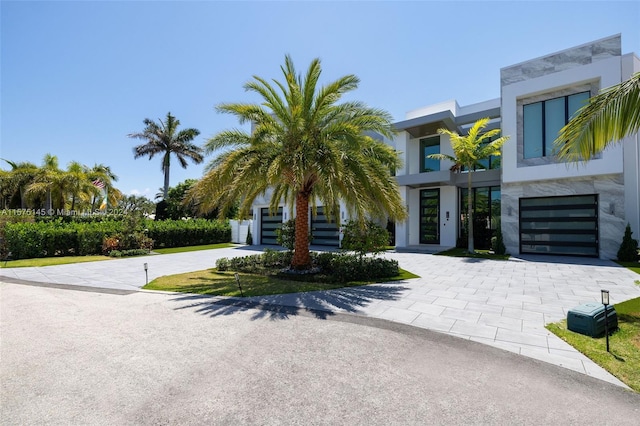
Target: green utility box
x,y
588,319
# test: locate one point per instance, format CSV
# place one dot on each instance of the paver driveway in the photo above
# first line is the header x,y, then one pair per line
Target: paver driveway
x,y
505,304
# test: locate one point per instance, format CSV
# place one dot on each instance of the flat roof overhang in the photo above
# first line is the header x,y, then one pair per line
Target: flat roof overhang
x,y
428,124
448,178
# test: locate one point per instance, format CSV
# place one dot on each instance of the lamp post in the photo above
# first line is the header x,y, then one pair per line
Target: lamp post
x,y
146,273
605,302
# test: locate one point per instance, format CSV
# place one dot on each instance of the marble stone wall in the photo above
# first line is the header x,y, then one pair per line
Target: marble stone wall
x,y
560,61
611,214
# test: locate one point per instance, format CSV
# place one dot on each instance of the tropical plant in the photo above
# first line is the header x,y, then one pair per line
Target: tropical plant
x,y
308,150
100,174
49,182
136,203
363,238
163,138
15,182
468,151
606,119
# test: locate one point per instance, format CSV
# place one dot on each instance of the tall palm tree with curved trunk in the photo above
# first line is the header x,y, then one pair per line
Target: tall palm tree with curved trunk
x,y
606,119
468,151
163,138
308,150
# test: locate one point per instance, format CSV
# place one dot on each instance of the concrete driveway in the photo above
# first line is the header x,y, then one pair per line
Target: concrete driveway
x,y
77,357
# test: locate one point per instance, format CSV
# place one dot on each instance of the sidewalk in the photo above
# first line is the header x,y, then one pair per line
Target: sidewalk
x,y
504,304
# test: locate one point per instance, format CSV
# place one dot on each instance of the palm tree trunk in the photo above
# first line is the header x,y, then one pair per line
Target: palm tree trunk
x,y
165,189
301,258
470,211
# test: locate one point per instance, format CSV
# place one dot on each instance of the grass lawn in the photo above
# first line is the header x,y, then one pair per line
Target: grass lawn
x,y
479,254
63,260
215,283
634,266
623,360
192,248
49,261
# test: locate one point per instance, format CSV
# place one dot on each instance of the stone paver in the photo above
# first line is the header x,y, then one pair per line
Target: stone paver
x,y
505,304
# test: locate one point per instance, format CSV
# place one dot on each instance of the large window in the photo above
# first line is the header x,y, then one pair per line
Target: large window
x,y
429,146
543,120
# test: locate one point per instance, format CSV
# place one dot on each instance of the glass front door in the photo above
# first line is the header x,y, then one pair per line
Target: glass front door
x,y
430,216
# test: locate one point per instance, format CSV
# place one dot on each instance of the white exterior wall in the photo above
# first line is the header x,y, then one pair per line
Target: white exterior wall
x,y
594,65
606,72
631,150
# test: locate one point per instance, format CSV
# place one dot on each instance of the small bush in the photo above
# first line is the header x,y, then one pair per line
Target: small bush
x,y
249,240
628,251
362,238
497,243
126,253
222,264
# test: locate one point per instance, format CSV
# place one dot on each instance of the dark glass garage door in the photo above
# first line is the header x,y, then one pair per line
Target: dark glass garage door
x,y
324,231
559,225
429,216
269,225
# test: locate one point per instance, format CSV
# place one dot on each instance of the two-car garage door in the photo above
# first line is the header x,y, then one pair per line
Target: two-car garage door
x,y
559,225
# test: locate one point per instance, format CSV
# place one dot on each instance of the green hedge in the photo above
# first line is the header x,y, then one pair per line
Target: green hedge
x,y
332,267
61,238
192,232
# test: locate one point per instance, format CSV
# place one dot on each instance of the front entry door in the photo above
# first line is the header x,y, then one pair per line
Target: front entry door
x,y
430,216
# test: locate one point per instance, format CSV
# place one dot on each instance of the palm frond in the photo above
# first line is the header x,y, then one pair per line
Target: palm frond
x,y
606,119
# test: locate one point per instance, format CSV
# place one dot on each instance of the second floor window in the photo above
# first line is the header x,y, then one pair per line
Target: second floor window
x,y
543,120
429,146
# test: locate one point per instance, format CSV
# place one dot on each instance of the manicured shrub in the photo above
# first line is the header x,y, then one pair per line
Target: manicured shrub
x,y
59,236
362,238
331,267
249,240
497,243
126,253
628,251
191,232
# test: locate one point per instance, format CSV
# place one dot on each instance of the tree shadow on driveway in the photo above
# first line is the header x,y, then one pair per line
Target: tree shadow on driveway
x,y
319,304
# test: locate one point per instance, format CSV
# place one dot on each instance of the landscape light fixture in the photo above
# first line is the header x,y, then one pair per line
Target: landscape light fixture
x,y
605,301
146,273
238,283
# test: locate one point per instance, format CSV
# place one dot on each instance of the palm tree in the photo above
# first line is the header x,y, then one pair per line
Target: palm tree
x,y
15,182
163,138
48,182
469,151
607,118
307,149
102,173
77,184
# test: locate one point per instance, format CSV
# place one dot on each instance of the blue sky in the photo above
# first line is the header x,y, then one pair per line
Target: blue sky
x,y
77,77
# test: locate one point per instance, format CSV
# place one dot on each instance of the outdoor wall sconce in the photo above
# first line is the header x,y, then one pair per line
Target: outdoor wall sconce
x,y
605,301
146,273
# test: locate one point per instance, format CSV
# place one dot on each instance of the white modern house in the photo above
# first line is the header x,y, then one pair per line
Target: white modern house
x,y
545,206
